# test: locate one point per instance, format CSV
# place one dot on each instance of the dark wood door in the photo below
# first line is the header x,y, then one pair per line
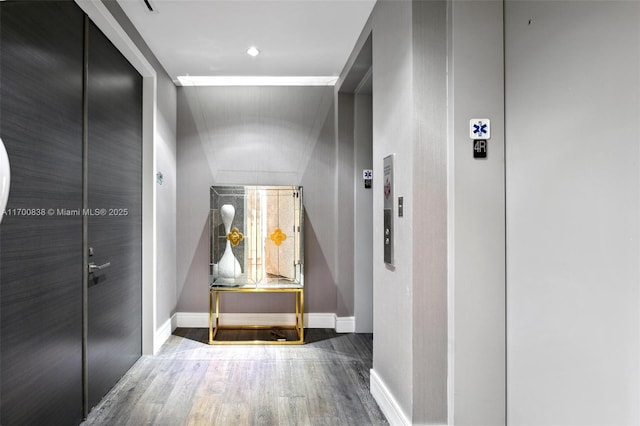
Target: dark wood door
x,y
114,228
40,244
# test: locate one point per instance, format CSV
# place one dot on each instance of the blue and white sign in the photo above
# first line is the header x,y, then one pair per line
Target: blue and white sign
x,y
367,174
479,128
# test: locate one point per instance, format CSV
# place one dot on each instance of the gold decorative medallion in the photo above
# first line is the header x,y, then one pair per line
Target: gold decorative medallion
x,y
278,236
235,236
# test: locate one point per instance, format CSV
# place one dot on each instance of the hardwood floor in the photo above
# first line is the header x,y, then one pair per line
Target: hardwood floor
x,y
324,382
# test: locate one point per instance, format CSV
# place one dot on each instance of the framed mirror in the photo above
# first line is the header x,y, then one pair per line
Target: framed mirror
x,y
256,236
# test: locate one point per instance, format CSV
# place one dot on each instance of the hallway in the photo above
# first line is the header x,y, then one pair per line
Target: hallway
x,y
324,382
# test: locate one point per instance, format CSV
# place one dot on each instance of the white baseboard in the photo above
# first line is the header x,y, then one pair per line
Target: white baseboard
x,y
162,334
192,320
388,404
174,322
345,324
317,320
311,320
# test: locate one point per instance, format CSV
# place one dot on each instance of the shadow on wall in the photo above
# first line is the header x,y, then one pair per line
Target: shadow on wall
x,y
194,291
218,126
256,135
194,177
320,286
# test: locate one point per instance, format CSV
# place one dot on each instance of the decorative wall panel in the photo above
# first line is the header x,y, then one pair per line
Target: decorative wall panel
x,y
40,246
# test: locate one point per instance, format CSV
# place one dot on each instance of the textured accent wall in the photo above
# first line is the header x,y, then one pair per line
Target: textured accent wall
x,y
430,213
114,182
256,136
41,253
69,135
59,126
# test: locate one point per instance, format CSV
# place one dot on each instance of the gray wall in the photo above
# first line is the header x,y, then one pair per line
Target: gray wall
x,y
165,162
477,231
363,215
439,330
355,221
430,243
256,135
573,108
318,179
354,251
393,324
345,202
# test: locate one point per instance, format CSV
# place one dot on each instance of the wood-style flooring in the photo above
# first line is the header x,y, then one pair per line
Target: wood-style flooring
x,y
323,382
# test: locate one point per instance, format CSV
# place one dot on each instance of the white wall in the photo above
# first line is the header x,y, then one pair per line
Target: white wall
x,y
573,182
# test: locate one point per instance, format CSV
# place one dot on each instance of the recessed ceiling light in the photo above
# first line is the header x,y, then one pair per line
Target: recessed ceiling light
x,y
253,51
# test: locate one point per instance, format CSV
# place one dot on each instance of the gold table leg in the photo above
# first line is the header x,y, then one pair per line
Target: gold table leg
x,y
214,325
301,295
210,316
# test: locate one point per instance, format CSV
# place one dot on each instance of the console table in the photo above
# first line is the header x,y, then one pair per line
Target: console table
x,y
214,318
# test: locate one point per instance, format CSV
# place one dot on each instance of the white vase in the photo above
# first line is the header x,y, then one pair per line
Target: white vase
x,y
228,268
5,179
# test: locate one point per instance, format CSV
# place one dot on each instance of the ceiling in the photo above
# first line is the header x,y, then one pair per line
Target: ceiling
x,y
211,37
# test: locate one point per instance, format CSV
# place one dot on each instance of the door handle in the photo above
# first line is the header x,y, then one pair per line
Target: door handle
x,y
93,267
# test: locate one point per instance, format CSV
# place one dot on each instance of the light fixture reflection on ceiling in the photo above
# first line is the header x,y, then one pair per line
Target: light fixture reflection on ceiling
x,y
253,51
191,80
